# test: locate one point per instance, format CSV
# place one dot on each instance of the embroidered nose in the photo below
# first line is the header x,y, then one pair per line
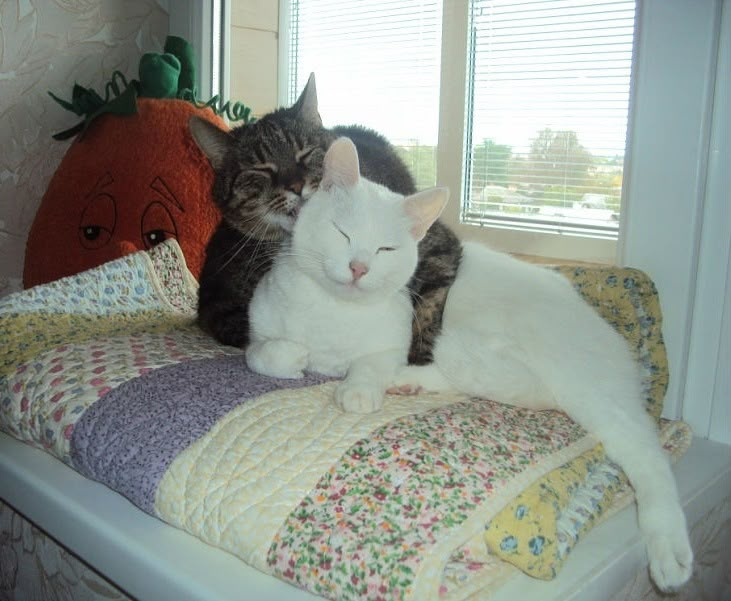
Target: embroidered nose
x,y
358,270
125,247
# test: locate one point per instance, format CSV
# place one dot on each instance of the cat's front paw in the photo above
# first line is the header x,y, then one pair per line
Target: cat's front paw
x,y
404,389
404,382
671,559
359,397
277,358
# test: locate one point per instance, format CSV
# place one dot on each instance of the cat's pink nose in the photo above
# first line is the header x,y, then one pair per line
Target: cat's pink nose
x,y
358,270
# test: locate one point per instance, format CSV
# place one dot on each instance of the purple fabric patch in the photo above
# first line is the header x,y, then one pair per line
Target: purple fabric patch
x,y
129,437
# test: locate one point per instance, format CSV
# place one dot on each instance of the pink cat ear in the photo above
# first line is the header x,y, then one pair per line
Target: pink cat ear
x,y
340,166
424,208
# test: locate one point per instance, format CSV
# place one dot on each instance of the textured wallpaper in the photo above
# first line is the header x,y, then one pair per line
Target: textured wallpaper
x,y
48,45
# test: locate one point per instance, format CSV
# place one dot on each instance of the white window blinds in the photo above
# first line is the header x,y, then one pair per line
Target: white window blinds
x,y
376,64
547,103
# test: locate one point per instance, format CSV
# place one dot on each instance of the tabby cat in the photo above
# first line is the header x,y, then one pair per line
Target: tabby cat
x,y
265,171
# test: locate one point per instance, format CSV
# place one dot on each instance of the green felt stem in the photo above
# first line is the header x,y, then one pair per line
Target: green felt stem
x,y
167,75
183,51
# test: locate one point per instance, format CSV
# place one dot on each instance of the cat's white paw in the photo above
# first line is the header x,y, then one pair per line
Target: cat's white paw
x,y
671,559
277,358
404,389
404,382
359,397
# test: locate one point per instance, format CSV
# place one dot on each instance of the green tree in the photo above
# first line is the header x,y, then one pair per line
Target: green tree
x,y
421,161
490,164
559,166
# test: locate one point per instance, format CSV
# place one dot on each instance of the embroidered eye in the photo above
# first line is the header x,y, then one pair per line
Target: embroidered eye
x,y
98,222
387,249
95,234
155,237
157,225
341,231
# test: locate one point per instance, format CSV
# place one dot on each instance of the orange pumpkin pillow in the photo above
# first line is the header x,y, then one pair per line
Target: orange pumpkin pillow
x,y
128,183
133,177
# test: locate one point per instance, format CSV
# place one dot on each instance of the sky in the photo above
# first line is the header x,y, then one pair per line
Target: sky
x,y
563,64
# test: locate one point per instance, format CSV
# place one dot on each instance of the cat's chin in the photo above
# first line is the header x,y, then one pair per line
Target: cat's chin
x,y
351,292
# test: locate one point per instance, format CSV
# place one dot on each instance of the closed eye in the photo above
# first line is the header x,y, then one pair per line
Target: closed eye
x,y
341,231
266,168
387,248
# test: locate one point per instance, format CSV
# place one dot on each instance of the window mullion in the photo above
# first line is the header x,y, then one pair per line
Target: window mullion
x,y
453,86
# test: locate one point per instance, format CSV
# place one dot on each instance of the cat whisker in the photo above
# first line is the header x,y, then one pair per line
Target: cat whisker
x,y
313,257
240,245
245,237
256,254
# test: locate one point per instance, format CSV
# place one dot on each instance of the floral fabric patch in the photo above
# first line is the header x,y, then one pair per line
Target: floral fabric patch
x,y
365,529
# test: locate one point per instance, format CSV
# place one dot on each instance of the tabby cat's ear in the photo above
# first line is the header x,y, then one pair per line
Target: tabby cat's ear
x,y
306,106
424,208
340,166
210,139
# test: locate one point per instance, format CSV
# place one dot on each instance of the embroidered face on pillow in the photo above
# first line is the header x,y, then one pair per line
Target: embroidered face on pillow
x,y
126,184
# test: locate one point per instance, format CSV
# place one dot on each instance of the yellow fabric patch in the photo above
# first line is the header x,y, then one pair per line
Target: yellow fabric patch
x,y
628,300
526,532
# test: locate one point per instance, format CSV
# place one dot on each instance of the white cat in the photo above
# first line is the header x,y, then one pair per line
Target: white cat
x,y
520,334
512,332
335,300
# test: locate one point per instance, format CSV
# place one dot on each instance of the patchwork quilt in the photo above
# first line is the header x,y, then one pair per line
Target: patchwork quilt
x,y
436,496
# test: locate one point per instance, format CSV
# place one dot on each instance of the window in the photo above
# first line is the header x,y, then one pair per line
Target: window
x,y
674,113
547,100
377,64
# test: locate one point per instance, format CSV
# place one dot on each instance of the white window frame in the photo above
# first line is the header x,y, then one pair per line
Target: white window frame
x,y
450,159
681,75
204,23
678,168
672,80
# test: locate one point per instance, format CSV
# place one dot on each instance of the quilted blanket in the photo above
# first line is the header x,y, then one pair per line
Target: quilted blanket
x,y
433,497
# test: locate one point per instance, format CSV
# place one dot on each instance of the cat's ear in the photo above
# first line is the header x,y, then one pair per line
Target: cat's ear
x,y
340,166
424,208
306,106
212,140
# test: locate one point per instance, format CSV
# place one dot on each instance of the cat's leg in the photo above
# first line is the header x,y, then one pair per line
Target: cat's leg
x,y
277,358
363,388
629,438
410,379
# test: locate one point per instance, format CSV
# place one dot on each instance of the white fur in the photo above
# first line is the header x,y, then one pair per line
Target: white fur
x,y
311,312
511,331
519,334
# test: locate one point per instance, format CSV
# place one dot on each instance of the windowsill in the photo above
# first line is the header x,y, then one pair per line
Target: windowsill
x,y
151,560
557,247
554,261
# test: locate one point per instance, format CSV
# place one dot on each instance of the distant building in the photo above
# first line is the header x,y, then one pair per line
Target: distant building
x,y
592,201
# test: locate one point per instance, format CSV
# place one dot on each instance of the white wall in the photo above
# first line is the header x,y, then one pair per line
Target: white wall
x,y
708,386
676,223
